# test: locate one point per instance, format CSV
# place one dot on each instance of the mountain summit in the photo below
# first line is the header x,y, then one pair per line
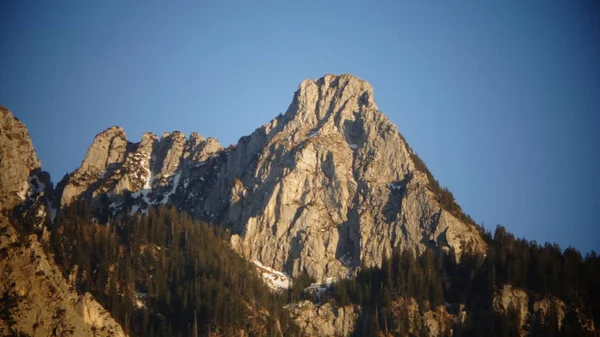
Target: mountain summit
x,y
326,187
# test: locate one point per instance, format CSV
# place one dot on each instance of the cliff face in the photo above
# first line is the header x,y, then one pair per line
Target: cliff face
x,y
145,173
324,320
332,184
24,187
532,311
325,187
35,298
535,310
17,160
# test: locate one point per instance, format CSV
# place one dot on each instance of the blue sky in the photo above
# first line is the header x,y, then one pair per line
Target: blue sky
x,y
499,97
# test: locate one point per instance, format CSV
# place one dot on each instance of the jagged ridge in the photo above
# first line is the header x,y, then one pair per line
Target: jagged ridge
x,y
326,187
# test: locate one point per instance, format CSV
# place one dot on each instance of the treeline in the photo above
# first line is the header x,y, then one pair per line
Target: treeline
x,y
434,278
163,274
441,194
547,270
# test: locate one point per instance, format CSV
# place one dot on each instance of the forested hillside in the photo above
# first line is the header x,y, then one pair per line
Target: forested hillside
x,y
163,274
435,279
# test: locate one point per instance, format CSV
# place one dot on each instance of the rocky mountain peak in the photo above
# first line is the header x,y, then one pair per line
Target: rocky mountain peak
x,y
316,102
332,185
107,149
149,169
18,161
345,89
327,187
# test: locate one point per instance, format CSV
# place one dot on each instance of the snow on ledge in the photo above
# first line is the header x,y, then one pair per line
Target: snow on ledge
x,y
276,280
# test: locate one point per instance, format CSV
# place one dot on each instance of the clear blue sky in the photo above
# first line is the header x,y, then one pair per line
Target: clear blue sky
x,y
500,98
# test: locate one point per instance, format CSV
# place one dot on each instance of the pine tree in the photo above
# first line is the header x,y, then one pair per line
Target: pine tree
x,y
195,325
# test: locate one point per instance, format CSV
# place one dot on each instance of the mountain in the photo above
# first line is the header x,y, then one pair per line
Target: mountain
x,y
351,233
35,298
63,274
327,187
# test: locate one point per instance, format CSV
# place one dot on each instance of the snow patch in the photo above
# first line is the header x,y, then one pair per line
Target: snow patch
x,y
276,280
140,299
53,211
346,260
175,183
353,146
114,206
395,186
149,177
24,189
320,288
317,288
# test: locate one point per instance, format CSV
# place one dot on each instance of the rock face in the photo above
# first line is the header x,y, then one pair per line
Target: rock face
x,y
36,299
145,173
324,320
331,185
421,321
25,190
328,320
18,161
327,186
509,297
535,310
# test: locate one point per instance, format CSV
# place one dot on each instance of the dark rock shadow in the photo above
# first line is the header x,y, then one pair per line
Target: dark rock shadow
x,y
296,246
348,248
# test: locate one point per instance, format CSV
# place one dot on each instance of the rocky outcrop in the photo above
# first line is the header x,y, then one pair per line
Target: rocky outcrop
x,y
412,319
18,161
326,187
26,191
324,319
35,298
107,151
534,310
508,298
147,173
